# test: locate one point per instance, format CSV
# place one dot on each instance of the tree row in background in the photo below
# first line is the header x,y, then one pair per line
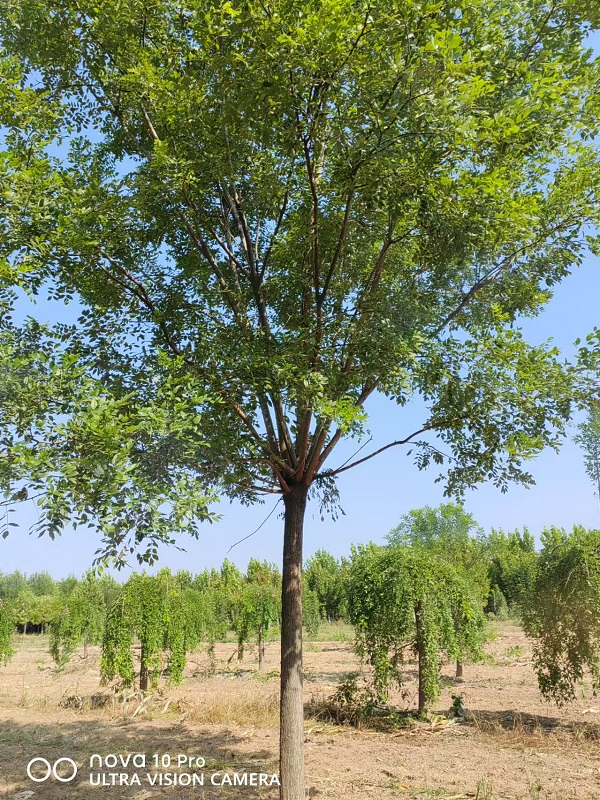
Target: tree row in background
x,y
424,596
167,615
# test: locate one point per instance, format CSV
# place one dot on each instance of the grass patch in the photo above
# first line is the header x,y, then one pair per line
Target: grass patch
x,y
333,632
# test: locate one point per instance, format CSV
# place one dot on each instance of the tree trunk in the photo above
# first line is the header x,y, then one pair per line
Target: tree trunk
x,y
261,649
85,647
420,656
459,668
144,672
212,658
291,740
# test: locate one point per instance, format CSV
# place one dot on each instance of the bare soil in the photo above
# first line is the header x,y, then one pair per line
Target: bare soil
x,y
510,743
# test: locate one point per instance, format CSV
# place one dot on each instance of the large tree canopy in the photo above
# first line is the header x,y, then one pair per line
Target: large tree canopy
x,y
271,210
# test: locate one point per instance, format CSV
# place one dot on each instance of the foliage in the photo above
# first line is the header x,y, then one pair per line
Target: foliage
x,y
562,612
406,600
265,213
352,704
75,447
448,533
311,611
324,576
512,560
7,629
497,605
41,583
152,609
257,604
38,610
589,440
11,584
80,619
263,224
452,535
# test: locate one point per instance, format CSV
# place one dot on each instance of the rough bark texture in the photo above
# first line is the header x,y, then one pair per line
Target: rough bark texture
x,y
421,656
459,668
291,738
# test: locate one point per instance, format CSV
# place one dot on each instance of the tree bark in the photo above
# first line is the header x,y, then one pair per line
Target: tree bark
x,y
459,668
420,656
85,647
143,672
291,739
261,649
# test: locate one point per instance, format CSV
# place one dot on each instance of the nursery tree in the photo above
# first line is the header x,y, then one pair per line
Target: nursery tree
x,y
449,533
7,630
562,612
258,604
81,619
512,560
11,583
408,599
324,576
37,610
151,609
266,212
311,612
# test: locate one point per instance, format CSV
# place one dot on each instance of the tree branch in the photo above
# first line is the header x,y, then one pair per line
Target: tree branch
x,y
332,472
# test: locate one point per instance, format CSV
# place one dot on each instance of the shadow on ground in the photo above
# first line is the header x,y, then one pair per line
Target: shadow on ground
x,y
531,724
80,739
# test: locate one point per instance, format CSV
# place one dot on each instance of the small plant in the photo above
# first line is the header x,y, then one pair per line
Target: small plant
x,y
535,790
457,708
516,651
353,704
484,790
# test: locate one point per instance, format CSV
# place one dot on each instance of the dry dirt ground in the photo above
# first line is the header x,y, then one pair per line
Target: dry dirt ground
x,y
509,745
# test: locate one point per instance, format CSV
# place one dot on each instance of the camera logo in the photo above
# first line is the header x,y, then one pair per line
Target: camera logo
x,y
40,769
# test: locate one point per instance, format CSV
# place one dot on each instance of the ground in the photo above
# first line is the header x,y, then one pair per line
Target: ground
x,y
510,743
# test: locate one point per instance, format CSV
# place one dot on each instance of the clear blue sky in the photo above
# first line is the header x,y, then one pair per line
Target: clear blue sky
x,y
375,495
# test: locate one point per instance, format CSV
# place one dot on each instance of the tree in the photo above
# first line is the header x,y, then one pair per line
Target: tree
x,y
258,604
449,533
408,599
311,617
35,610
81,619
562,612
150,608
7,629
588,439
266,213
11,584
324,576
512,563
41,583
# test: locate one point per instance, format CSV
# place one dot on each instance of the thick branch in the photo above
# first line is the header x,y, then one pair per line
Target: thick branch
x,y
332,472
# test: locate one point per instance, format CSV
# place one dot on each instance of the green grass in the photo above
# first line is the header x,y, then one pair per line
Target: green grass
x,y
333,632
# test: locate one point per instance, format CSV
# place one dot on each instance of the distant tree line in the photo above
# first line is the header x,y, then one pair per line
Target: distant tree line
x,y
424,596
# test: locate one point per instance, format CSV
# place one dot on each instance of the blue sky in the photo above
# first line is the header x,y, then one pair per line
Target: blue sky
x,y
373,496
